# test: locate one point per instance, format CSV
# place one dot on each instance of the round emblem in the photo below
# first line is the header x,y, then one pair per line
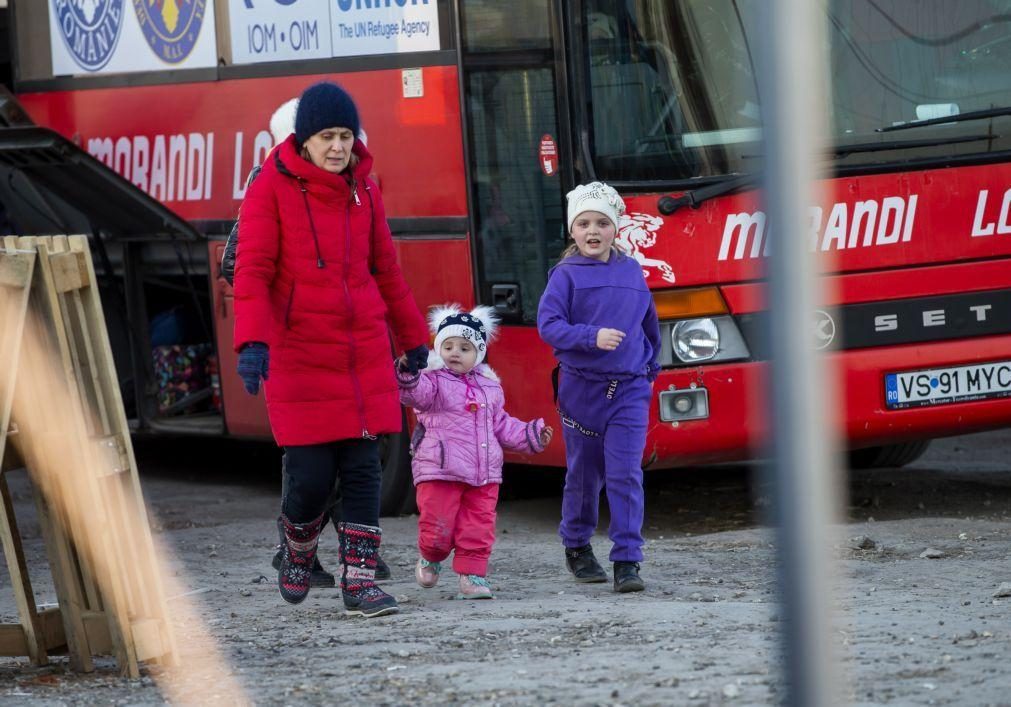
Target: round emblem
x,y
171,27
90,29
824,329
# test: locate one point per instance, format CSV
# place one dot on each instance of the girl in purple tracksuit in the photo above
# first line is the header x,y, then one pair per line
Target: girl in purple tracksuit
x,y
599,316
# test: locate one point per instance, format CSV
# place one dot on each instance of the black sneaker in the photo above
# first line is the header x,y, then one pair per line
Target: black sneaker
x,y
319,578
626,577
583,565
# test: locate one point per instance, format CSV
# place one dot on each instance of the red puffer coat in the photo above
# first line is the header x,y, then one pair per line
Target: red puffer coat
x,y
313,300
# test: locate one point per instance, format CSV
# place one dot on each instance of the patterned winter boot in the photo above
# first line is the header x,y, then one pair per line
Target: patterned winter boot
x,y
382,569
320,577
297,558
359,551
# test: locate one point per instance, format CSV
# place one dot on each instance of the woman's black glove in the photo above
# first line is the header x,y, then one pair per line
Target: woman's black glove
x,y
415,360
254,364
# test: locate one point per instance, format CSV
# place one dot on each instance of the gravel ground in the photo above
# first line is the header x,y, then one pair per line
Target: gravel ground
x,y
910,630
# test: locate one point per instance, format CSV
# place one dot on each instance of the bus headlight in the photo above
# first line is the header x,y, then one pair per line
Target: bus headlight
x,y
695,340
688,342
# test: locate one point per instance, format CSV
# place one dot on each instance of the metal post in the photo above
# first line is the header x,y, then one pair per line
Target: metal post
x,y
792,78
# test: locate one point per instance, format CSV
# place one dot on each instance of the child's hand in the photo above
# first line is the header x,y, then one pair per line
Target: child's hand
x,y
402,364
608,339
546,434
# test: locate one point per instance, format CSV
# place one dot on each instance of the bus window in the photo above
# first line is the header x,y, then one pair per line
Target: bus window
x,y
493,25
665,78
517,207
673,92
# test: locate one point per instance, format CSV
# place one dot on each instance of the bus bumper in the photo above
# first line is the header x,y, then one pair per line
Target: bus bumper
x,y
737,425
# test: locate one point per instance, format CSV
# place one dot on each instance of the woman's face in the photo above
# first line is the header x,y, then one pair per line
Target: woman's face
x,y
593,233
330,149
459,354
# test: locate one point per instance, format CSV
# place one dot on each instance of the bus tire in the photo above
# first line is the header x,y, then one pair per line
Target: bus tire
x,y
396,494
888,456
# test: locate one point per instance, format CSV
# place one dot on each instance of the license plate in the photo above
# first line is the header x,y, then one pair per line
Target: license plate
x,y
942,386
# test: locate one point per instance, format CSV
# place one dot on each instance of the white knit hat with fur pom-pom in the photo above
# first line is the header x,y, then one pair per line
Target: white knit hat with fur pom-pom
x,y
476,326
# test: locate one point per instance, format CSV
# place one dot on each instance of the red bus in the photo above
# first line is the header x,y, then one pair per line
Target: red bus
x,y
478,137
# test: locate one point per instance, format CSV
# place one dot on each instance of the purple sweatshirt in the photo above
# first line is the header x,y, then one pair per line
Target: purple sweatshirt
x,y
585,295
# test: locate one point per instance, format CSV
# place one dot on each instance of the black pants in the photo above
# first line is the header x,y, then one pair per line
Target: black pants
x,y
332,512
310,477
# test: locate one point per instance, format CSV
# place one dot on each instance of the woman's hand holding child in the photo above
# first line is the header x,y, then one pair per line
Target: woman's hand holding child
x,y
413,360
608,339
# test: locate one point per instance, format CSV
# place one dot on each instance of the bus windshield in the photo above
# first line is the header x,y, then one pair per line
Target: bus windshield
x,y
673,92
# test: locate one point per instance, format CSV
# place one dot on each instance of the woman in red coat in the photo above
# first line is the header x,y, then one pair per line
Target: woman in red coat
x,y
316,280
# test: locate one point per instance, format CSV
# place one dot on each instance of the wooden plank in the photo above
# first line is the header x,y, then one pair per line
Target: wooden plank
x,y
147,637
52,628
16,270
90,371
20,581
76,329
68,590
13,643
59,328
112,456
69,272
126,613
75,343
14,314
58,544
143,543
96,623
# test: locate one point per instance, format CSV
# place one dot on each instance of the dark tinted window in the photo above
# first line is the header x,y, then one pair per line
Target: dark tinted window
x,y
673,83
494,25
510,104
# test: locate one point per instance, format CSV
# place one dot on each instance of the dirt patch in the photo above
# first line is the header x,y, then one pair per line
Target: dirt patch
x,y
911,630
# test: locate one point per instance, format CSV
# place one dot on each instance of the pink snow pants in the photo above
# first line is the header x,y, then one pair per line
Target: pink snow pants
x,y
457,516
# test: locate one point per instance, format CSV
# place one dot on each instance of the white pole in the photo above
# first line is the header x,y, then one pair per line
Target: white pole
x,y
792,81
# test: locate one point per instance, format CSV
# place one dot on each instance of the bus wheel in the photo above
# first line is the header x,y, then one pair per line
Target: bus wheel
x,y
891,455
396,494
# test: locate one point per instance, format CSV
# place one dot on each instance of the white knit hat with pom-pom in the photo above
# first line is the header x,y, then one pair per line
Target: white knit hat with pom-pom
x,y
476,326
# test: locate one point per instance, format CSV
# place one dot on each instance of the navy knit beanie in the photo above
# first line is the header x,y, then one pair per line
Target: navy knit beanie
x,y
324,105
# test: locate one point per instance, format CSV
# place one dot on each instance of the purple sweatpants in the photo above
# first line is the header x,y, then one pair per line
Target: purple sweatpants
x,y
604,427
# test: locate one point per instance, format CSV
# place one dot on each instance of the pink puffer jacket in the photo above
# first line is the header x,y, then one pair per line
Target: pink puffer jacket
x,y
463,426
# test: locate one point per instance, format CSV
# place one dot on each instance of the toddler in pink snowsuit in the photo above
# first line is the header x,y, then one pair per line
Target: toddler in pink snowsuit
x,y
457,447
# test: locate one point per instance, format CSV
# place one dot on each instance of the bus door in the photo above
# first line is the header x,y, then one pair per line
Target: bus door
x,y
518,163
515,152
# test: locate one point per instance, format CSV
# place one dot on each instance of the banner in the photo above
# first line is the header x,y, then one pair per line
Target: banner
x,y
388,27
285,30
192,145
279,30
118,36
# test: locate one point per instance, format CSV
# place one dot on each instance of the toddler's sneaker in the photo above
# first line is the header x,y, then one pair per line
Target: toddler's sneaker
x,y
427,573
473,586
626,577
